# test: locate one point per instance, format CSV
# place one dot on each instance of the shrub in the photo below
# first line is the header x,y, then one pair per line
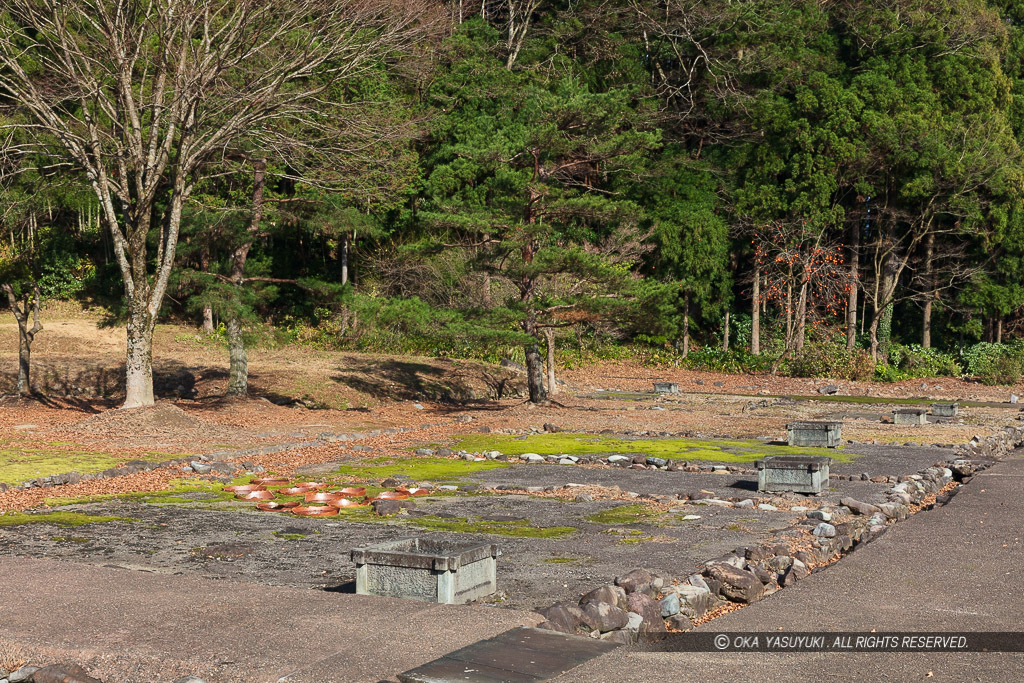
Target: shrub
x,y
916,361
714,359
833,360
994,363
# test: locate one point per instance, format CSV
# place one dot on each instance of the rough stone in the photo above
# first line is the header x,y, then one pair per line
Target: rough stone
x,y
737,585
824,530
634,580
23,674
858,507
603,616
565,618
647,608
58,673
624,636
613,595
669,605
694,601
391,507
763,575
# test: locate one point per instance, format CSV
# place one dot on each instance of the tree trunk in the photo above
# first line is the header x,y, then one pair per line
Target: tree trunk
x,y
686,327
755,314
549,335
789,308
725,333
238,370
534,364
801,319
929,278
204,263
24,362
999,330
238,373
139,361
344,259
26,334
851,301
885,333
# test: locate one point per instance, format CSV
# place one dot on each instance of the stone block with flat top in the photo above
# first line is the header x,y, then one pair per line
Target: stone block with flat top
x,y
910,416
666,387
447,572
815,434
945,409
797,473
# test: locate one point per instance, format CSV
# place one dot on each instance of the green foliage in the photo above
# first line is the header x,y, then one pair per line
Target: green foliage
x,y
737,359
832,360
914,360
995,364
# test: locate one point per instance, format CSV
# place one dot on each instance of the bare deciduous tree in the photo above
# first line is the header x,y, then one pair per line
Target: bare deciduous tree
x,y
142,95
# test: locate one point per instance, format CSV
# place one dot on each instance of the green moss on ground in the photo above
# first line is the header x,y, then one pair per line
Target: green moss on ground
x,y
730,451
520,529
57,518
623,514
18,464
419,469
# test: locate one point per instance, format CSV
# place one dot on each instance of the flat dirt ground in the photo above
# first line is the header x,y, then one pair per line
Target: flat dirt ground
x,y
554,544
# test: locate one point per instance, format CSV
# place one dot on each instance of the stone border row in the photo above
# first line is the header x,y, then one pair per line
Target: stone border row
x,y
641,602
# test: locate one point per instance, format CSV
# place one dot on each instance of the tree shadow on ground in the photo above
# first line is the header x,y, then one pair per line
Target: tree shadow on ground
x,y
409,380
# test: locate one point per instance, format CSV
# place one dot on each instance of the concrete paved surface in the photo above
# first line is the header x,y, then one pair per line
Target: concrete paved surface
x,y
955,568
135,626
522,655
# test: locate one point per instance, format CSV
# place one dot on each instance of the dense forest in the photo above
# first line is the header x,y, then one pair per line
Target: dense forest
x,y
830,188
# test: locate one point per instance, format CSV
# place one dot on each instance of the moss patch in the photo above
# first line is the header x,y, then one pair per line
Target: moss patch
x,y
419,469
623,514
18,464
56,518
521,529
679,449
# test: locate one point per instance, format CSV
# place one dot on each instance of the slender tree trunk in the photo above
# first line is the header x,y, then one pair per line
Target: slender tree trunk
x,y
725,333
26,334
534,366
885,333
139,360
549,335
801,318
686,327
238,371
929,278
851,301
873,331
204,263
24,362
789,308
755,314
999,330
344,259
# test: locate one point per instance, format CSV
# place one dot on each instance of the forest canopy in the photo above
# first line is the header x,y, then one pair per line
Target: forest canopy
x,y
820,188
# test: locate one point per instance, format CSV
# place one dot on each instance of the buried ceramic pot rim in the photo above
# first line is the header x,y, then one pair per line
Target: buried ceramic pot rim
x,y
271,506
255,495
314,511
